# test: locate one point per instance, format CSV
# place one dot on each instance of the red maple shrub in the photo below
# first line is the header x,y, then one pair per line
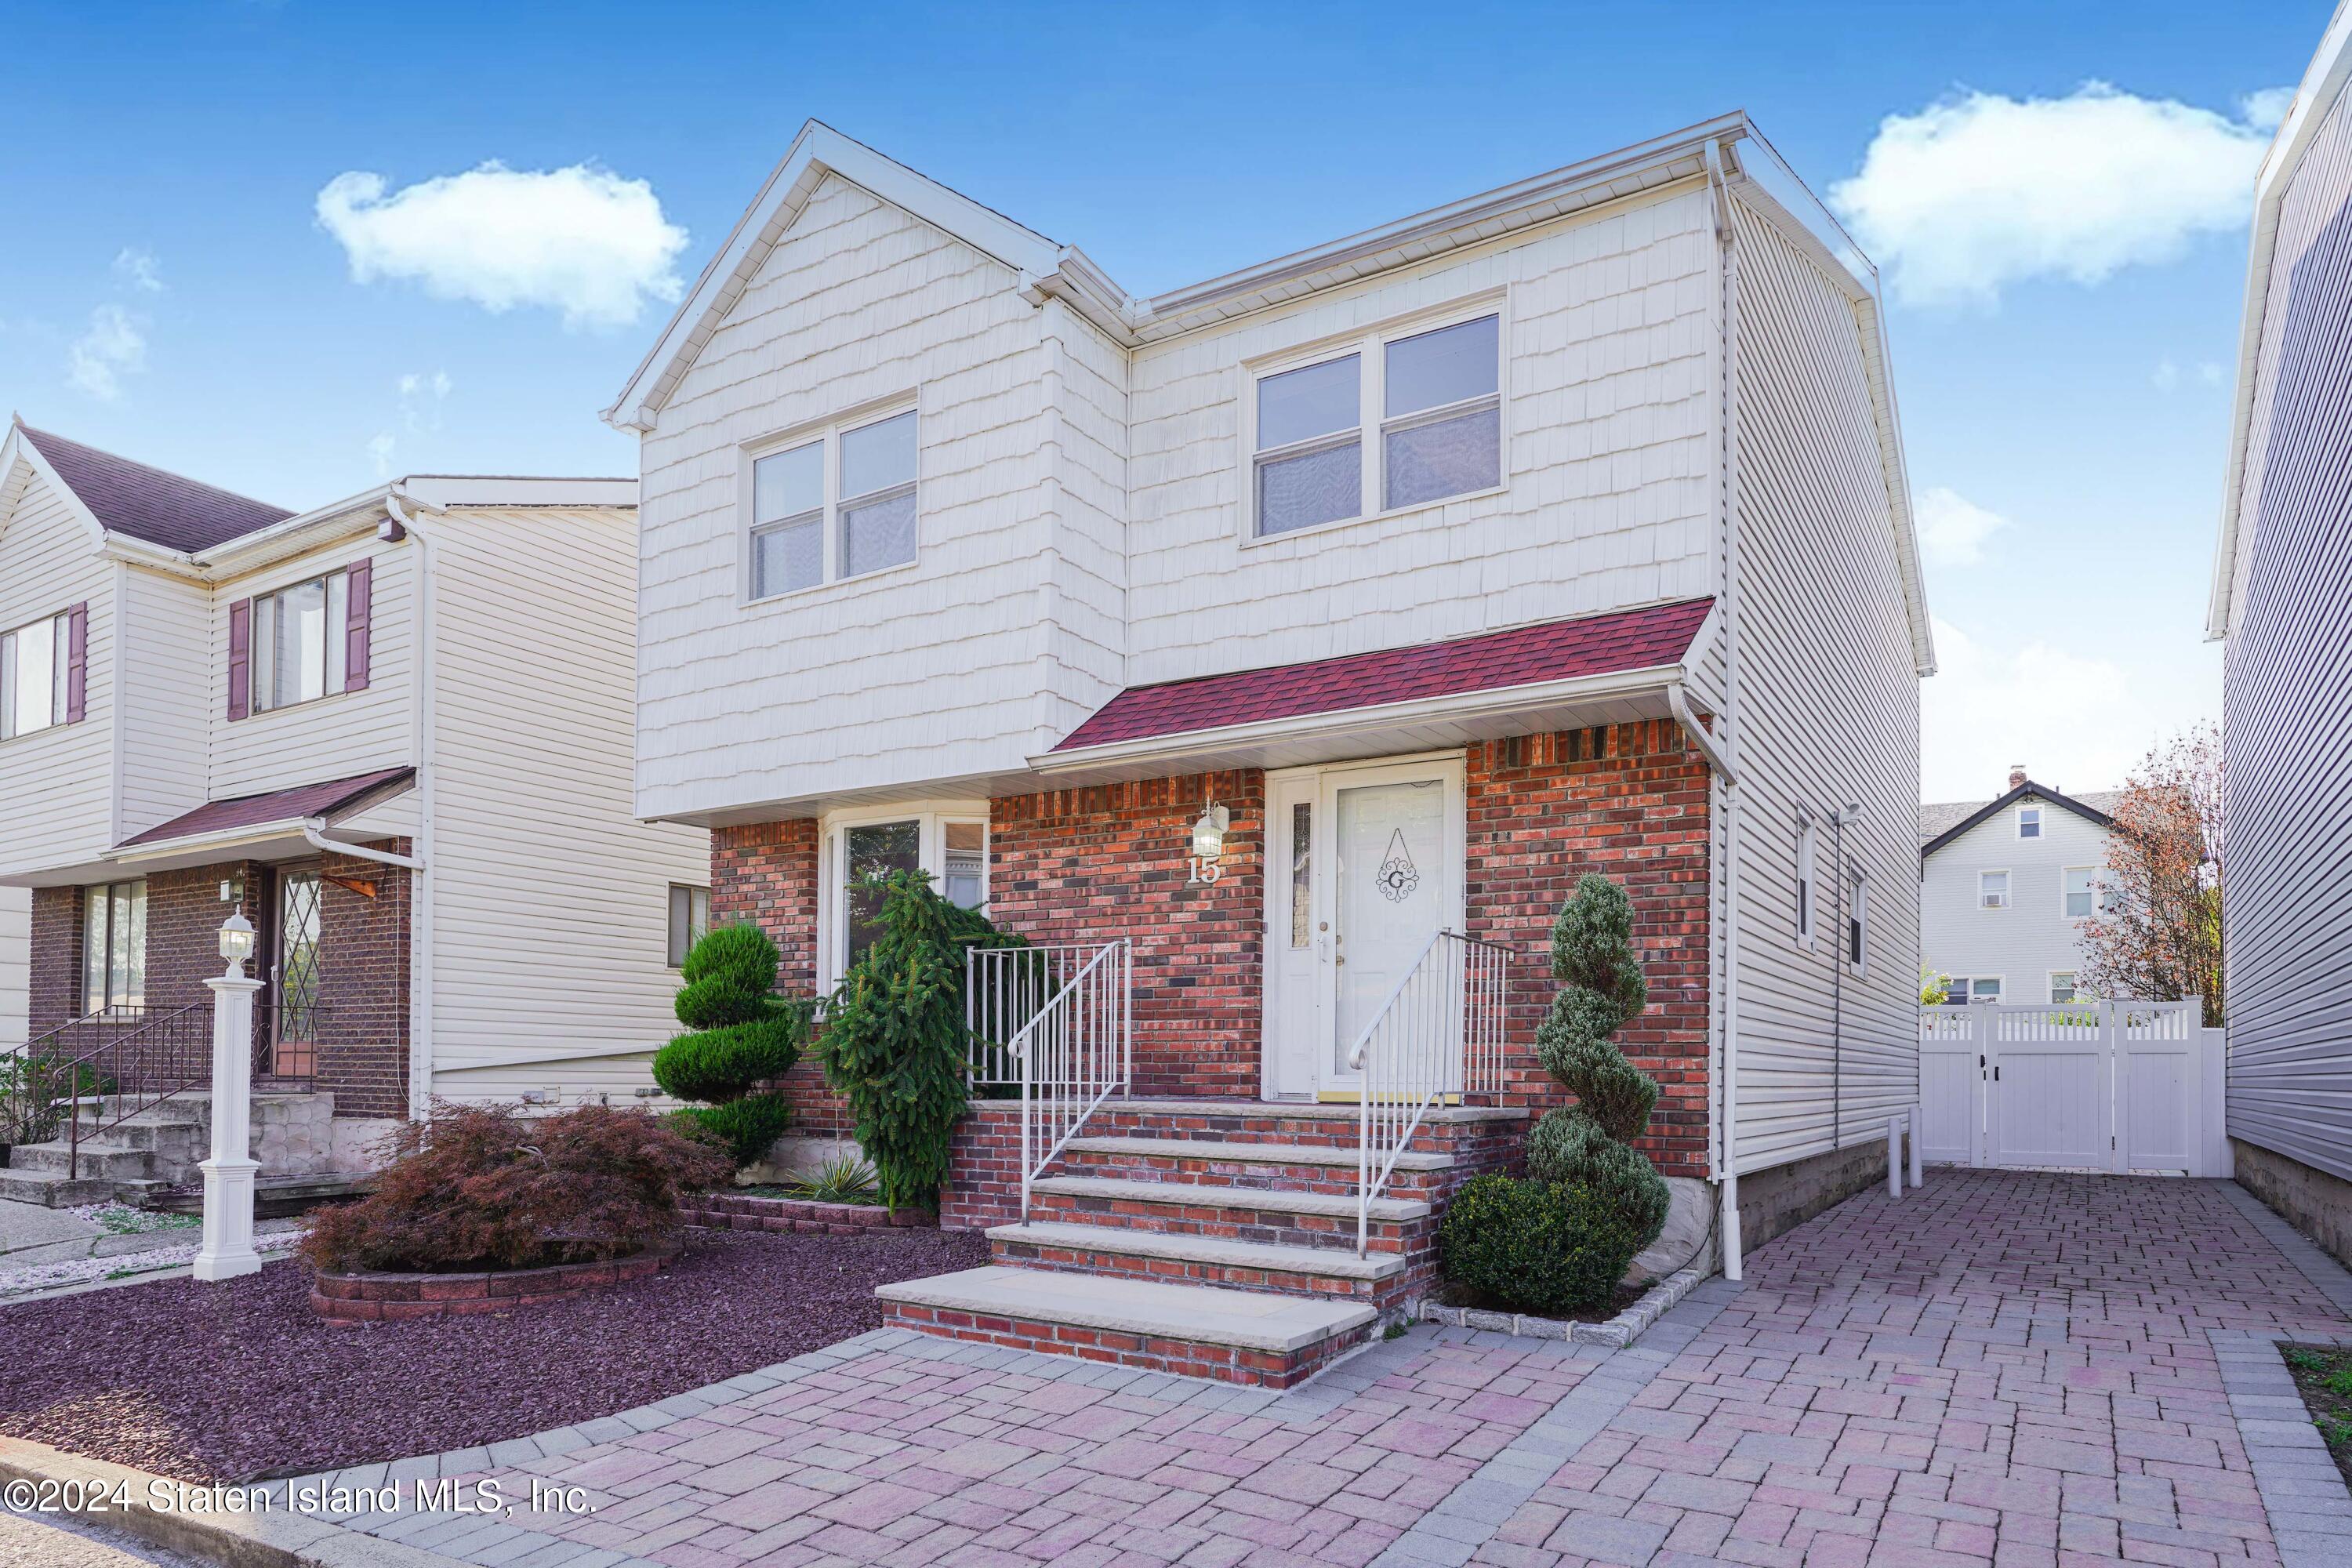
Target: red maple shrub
x,y
483,1187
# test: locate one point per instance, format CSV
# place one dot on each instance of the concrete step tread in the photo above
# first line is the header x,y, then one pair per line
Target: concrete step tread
x,y
1201,1314
54,1188
1200,1195
1307,1110
1250,1153
1322,1261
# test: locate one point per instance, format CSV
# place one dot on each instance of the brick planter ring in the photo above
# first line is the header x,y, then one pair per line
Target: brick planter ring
x,y
751,1211
378,1296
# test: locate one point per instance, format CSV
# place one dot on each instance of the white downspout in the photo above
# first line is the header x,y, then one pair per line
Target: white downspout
x,y
420,739
1728,258
314,831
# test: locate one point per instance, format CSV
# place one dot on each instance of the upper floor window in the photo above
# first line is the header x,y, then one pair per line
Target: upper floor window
x,y
2082,891
1409,418
834,505
2029,822
1992,889
299,647
34,663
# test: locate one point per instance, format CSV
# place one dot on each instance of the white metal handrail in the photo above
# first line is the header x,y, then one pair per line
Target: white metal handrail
x,y
1440,1032
1059,1019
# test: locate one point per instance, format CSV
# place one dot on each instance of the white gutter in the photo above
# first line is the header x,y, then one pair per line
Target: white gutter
x,y
396,504
1680,704
314,834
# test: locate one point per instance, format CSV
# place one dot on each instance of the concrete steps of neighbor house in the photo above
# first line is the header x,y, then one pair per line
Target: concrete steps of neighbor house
x,y
97,1159
1234,1336
1330,1273
52,1189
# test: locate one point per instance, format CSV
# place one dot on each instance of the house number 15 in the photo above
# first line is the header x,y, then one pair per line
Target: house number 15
x,y
1204,871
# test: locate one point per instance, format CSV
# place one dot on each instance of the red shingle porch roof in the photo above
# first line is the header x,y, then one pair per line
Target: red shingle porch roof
x,y
277,806
1526,656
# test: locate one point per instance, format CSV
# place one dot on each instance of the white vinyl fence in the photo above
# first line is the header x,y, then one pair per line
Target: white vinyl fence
x,y
2103,1086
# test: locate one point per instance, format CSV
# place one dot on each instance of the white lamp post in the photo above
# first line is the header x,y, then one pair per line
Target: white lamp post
x,y
228,1250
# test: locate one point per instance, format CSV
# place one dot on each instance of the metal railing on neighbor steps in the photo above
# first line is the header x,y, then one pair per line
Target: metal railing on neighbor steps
x,y
1439,1033
118,1063
1058,1021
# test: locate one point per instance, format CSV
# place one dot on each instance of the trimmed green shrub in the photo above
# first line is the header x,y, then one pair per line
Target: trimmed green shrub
x,y
743,1036
1536,1246
745,1126
894,1044
1585,1144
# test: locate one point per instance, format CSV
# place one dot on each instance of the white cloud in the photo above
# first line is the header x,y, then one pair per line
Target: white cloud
x,y
1953,529
2265,109
379,450
581,240
2070,718
114,346
137,267
421,397
1980,191
2166,376
2208,373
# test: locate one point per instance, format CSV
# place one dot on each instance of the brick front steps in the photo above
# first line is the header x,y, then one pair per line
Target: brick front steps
x,y
753,1211
1158,1236
1233,1336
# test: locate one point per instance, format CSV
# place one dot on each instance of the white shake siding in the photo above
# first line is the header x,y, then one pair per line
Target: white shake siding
x,y
923,672
16,953
166,708
1610,459
59,781
1830,716
1087,625
550,900
2025,943
2288,708
334,736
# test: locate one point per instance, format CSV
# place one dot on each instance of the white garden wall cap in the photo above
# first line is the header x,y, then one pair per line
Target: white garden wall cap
x,y
1199,1314
1324,1262
1186,1195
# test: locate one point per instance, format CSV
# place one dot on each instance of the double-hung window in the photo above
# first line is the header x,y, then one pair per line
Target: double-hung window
x,y
299,640
33,664
2081,891
1992,889
2062,987
689,920
948,841
1394,421
835,504
114,947
2029,822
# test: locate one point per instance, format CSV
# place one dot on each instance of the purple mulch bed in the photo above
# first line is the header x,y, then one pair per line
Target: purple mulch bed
x,y
233,1381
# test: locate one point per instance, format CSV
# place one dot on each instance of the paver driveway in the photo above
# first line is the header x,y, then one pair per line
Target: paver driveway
x,y
1998,1368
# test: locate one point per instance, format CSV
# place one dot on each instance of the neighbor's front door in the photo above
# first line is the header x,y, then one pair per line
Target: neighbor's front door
x,y
1365,864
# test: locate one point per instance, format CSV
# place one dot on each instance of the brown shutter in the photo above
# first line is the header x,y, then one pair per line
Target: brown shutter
x,y
240,658
77,661
355,625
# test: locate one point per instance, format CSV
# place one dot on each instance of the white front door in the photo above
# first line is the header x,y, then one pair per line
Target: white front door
x,y
1365,865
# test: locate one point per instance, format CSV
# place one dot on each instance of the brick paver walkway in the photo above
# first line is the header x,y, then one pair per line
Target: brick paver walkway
x,y
1997,1369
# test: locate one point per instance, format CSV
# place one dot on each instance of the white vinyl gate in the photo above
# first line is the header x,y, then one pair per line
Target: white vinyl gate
x,y
2102,1086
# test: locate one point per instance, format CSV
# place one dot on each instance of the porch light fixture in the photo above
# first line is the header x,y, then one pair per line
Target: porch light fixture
x,y
1209,832
236,941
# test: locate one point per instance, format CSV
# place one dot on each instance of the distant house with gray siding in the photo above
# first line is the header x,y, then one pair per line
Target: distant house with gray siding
x,y
2282,599
2004,887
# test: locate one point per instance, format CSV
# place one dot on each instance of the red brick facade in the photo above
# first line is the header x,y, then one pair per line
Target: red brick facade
x,y
1087,864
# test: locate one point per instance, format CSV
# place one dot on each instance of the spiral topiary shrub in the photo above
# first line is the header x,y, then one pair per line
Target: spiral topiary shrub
x,y
743,1035
1586,1144
1535,1246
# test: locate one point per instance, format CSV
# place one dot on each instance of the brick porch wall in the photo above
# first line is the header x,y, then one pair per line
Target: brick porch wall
x,y
183,918
1112,860
765,873
1629,802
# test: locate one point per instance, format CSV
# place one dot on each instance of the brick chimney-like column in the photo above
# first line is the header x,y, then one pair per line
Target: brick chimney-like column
x,y
2016,774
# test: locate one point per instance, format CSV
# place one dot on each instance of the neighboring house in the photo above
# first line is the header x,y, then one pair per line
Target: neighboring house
x,y
2282,596
1394,571
2004,887
395,730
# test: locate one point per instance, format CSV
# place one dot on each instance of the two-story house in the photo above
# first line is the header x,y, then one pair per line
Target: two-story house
x,y
393,730
1311,630
2004,887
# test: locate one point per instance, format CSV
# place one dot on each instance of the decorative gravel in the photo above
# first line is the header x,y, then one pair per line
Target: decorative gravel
x,y
239,1380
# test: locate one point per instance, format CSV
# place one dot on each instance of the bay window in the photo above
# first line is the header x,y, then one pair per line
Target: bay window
x,y
114,947
299,640
838,503
34,660
948,841
1394,421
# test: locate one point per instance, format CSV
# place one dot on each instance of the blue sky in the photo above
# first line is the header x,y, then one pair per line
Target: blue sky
x,y
2067,267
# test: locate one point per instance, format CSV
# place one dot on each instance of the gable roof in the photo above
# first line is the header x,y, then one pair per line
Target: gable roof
x,y
150,503
1940,824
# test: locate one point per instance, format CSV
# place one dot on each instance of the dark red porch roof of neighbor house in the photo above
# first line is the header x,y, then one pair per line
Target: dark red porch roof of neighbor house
x,y
1524,656
277,806
150,503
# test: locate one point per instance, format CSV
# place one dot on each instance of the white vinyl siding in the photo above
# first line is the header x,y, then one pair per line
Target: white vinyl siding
x,y
2287,708
15,967
167,695
59,782
1829,716
2033,937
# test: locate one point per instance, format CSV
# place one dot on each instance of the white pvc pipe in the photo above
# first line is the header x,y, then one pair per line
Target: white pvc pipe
x,y
1895,1156
1919,1175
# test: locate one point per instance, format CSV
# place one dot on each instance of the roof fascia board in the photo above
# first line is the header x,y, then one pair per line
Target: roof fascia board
x,y
1985,814
2323,83
438,493
1489,703
819,150
17,447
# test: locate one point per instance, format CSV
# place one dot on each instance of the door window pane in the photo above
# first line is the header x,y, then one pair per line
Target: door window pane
x,y
874,850
877,457
1302,874
1317,400
114,946
1445,458
94,949
964,878
878,534
1452,364
1320,487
